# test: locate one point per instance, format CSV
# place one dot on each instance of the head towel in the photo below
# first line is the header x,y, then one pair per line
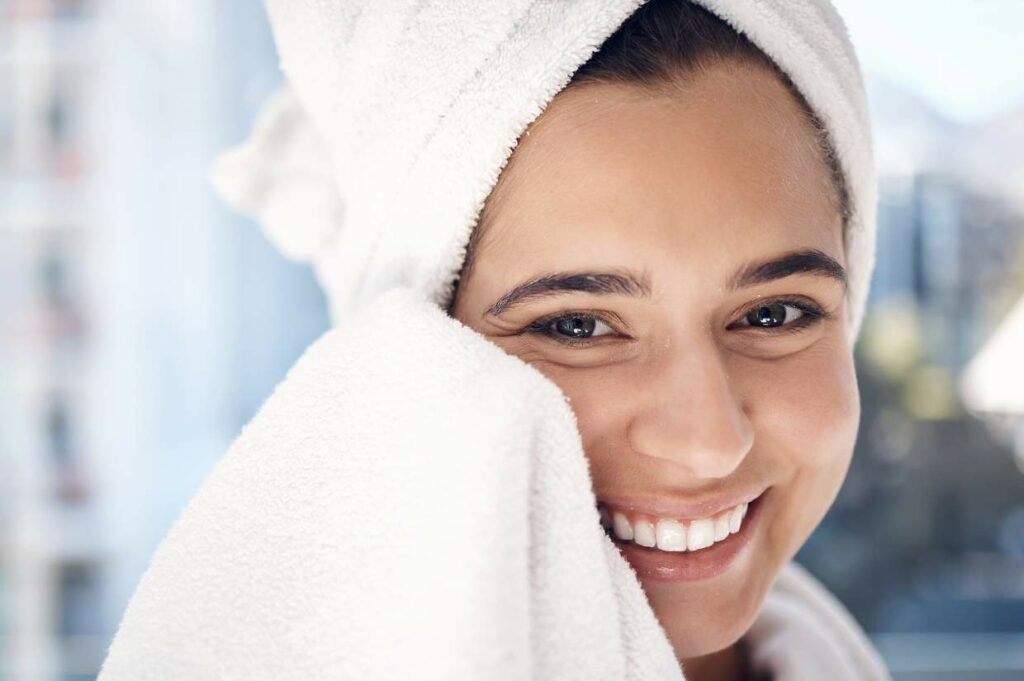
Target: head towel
x,y
374,161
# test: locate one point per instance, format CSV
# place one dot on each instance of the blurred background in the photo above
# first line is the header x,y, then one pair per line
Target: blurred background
x,y
141,324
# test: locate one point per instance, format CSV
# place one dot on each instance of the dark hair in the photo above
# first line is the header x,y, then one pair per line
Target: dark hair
x,y
661,44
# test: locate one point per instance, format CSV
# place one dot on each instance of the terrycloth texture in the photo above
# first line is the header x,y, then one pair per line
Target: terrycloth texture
x,y
412,502
417,105
802,633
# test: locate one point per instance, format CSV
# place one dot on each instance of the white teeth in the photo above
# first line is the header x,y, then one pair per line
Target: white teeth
x,y
735,517
671,535
620,525
700,535
643,533
722,526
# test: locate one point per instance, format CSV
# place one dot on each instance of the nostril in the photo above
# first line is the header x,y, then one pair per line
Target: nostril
x,y
707,455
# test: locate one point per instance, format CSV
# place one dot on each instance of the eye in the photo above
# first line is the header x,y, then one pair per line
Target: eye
x,y
790,315
571,328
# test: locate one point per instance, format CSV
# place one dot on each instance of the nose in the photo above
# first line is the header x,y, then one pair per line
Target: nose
x,y
689,413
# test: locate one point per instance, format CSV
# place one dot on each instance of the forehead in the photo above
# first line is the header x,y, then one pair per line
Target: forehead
x,y
720,169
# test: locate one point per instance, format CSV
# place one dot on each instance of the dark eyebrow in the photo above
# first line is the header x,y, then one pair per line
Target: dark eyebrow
x,y
630,283
807,261
623,282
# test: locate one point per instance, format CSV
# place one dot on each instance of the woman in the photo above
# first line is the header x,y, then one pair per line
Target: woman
x,y
650,307
685,287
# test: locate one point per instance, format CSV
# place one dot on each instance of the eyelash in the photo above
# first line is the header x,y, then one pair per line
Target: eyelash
x,y
812,314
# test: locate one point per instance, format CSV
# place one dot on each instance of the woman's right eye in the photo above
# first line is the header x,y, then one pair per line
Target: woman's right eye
x,y
572,328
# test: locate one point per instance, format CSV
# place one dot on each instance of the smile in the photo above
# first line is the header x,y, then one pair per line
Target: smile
x,y
670,534
667,546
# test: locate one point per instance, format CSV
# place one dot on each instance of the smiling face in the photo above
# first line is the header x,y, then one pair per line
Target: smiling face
x,y
700,361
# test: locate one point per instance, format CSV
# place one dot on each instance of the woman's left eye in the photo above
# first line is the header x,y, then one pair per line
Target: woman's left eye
x,y
572,328
790,314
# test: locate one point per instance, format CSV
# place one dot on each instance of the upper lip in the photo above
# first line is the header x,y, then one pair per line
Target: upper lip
x,y
667,506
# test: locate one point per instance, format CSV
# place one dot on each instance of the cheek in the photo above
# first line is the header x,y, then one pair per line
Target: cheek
x,y
807,419
805,413
808,406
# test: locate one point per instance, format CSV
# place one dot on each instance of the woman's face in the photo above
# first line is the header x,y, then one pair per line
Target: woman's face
x,y
710,378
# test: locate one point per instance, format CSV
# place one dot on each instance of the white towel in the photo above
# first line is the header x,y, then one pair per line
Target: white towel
x,y
412,502
407,111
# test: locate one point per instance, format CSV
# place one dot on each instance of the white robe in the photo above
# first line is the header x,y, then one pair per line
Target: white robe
x,y
803,633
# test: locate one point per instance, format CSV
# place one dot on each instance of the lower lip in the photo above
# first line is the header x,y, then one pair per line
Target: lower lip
x,y
675,566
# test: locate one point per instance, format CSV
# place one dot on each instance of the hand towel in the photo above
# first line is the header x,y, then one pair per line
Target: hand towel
x,y
412,502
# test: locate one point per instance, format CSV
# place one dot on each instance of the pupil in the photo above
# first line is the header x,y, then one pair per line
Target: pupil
x,y
577,327
769,315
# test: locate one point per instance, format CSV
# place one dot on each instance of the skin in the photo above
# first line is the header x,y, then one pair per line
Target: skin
x,y
680,394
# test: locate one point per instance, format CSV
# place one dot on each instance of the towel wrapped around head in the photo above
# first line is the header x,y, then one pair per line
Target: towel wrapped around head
x,y
391,94
412,502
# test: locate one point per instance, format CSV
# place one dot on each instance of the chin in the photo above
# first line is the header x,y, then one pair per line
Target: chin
x,y
705,623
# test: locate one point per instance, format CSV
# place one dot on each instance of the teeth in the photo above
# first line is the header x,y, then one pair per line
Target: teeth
x,y
643,533
671,535
735,516
621,527
667,534
701,534
722,526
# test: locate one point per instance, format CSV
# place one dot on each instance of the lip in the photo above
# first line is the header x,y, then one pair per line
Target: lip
x,y
668,507
671,566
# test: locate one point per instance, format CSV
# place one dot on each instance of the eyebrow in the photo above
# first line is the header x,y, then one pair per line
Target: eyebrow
x,y
624,282
806,261
637,284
